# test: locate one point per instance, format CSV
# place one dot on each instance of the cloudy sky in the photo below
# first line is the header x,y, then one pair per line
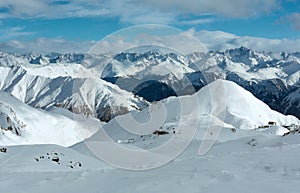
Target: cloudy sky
x,y
75,25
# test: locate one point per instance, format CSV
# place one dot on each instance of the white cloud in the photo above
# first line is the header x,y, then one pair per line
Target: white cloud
x,y
52,8
44,45
181,42
197,21
149,35
218,40
229,8
137,11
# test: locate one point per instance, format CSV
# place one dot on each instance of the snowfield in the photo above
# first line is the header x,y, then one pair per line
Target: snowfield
x,y
269,166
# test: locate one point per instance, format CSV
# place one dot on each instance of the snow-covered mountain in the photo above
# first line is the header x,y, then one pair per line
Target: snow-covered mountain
x,y
156,74
143,73
23,124
218,103
58,86
9,121
291,103
250,147
214,109
58,126
269,76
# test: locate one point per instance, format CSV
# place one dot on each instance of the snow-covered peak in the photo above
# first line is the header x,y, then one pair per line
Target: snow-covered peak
x,y
66,58
246,56
147,65
243,109
221,104
103,99
39,60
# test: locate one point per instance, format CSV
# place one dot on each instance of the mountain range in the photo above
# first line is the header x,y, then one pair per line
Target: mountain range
x,y
153,75
60,86
221,120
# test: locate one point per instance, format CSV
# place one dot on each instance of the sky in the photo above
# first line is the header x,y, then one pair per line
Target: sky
x,y
75,25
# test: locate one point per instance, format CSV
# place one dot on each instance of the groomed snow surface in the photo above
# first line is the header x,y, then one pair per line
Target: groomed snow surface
x,y
248,156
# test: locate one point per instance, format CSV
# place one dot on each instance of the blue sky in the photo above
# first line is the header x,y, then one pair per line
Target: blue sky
x,y
86,20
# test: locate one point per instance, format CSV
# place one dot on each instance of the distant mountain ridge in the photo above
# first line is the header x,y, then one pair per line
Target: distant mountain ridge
x,y
94,97
271,77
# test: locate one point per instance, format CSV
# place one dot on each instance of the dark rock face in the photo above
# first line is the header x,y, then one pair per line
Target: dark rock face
x,y
154,88
291,103
154,91
106,113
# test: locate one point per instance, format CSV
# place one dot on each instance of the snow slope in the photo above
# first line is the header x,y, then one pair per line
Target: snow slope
x,y
242,110
80,95
245,111
238,160
218,110
269,166
41,158
23,124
